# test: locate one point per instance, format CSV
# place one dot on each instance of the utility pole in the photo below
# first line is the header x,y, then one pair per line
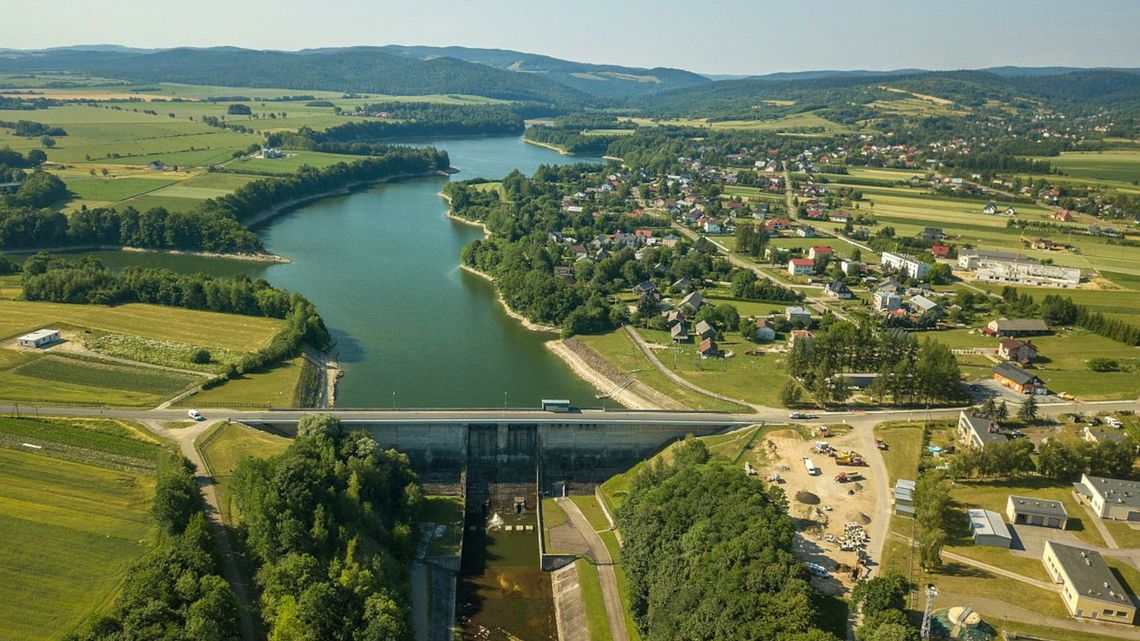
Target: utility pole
x,y
931,592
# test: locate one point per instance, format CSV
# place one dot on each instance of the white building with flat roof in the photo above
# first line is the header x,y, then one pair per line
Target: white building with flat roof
x,y
907,264
39,338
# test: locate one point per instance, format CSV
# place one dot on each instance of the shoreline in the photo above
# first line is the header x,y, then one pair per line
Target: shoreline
x,y
548,146
527,323
597,380
252,258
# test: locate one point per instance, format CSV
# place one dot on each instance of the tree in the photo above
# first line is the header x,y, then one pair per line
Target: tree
x,y
791,393
1028,411
1001,412
48,142
176,495
36,157
930,545
200,356
885,592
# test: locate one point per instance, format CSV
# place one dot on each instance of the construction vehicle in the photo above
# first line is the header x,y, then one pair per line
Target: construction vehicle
x,y
842,477
880,444
821,447
849,458
812,470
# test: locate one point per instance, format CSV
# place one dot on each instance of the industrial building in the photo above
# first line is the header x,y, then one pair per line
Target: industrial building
x,y
1089,588
1110,498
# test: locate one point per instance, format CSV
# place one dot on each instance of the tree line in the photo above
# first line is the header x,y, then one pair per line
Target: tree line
x,y
329,524
32,129
403,120
47,278
27,221
175,592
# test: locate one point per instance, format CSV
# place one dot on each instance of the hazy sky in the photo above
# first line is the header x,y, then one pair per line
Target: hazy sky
x,y
720,36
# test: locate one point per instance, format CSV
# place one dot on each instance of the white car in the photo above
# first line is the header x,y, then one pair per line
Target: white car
x,y
196,415
817,570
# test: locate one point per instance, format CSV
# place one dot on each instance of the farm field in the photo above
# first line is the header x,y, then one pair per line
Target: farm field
x,y
807,122
1114,165
71,530
223,446
113,378
208,329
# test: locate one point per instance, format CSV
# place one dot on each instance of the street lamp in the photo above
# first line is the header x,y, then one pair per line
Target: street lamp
x,y
393,400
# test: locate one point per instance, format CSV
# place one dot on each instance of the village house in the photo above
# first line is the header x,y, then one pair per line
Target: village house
x,y
645,288
978,431
1012,349
682,284
1025,510
1063,215
763,332
693,301
940,251
1017,327
990,209
851,267
933,234
1113,499
679,333
797,335
1018,379
801,266
674,316
887,301
704,330
923,305
805,231
818,251
797,315
837,289
776,225
1089,587
708,349
565,273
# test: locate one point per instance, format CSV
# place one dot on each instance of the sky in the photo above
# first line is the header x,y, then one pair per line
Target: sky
x,y
710,36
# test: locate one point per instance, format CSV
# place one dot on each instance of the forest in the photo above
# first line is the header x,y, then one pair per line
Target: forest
x,y
328,522
708,555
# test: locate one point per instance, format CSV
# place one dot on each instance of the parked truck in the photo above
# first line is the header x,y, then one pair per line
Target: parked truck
x,y
812,470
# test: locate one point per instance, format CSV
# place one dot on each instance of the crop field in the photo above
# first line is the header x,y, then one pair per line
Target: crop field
x,y
1122,166
104,192
70,532
61,369
292,161
131,138
165,353
209,329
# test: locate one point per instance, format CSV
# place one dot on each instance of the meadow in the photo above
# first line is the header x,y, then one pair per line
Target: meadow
x,y
60,369
225,445
1115,165
273,388
71,530
208,329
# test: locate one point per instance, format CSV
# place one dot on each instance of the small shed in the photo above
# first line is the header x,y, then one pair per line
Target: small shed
x,y
39,338
1024,510
904,497
988,529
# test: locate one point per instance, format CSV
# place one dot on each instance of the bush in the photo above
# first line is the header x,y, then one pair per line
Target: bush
x,y
201,356
1104,364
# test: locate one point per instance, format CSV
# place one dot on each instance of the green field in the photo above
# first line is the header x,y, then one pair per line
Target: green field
x,y
209,329
275,387
591,586
223,446
1122,166
112,377
617,348
70,531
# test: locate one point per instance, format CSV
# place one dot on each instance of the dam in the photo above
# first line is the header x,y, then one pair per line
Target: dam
x,y
503,464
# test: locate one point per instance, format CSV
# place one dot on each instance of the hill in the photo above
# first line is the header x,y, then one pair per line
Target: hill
x,y
367,70
612,81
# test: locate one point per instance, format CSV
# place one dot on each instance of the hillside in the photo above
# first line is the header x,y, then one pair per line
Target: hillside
x,y
612,81
350,70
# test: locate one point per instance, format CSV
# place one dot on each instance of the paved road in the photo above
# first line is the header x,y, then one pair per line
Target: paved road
x,y
615,611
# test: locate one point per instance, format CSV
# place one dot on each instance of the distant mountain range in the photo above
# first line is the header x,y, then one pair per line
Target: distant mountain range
x,y
495,73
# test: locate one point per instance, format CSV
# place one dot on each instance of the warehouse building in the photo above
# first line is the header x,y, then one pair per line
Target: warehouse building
x,y
1024,510
987,528
1110,498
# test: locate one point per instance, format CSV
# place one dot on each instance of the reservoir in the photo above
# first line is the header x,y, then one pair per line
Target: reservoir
x,y
412,329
